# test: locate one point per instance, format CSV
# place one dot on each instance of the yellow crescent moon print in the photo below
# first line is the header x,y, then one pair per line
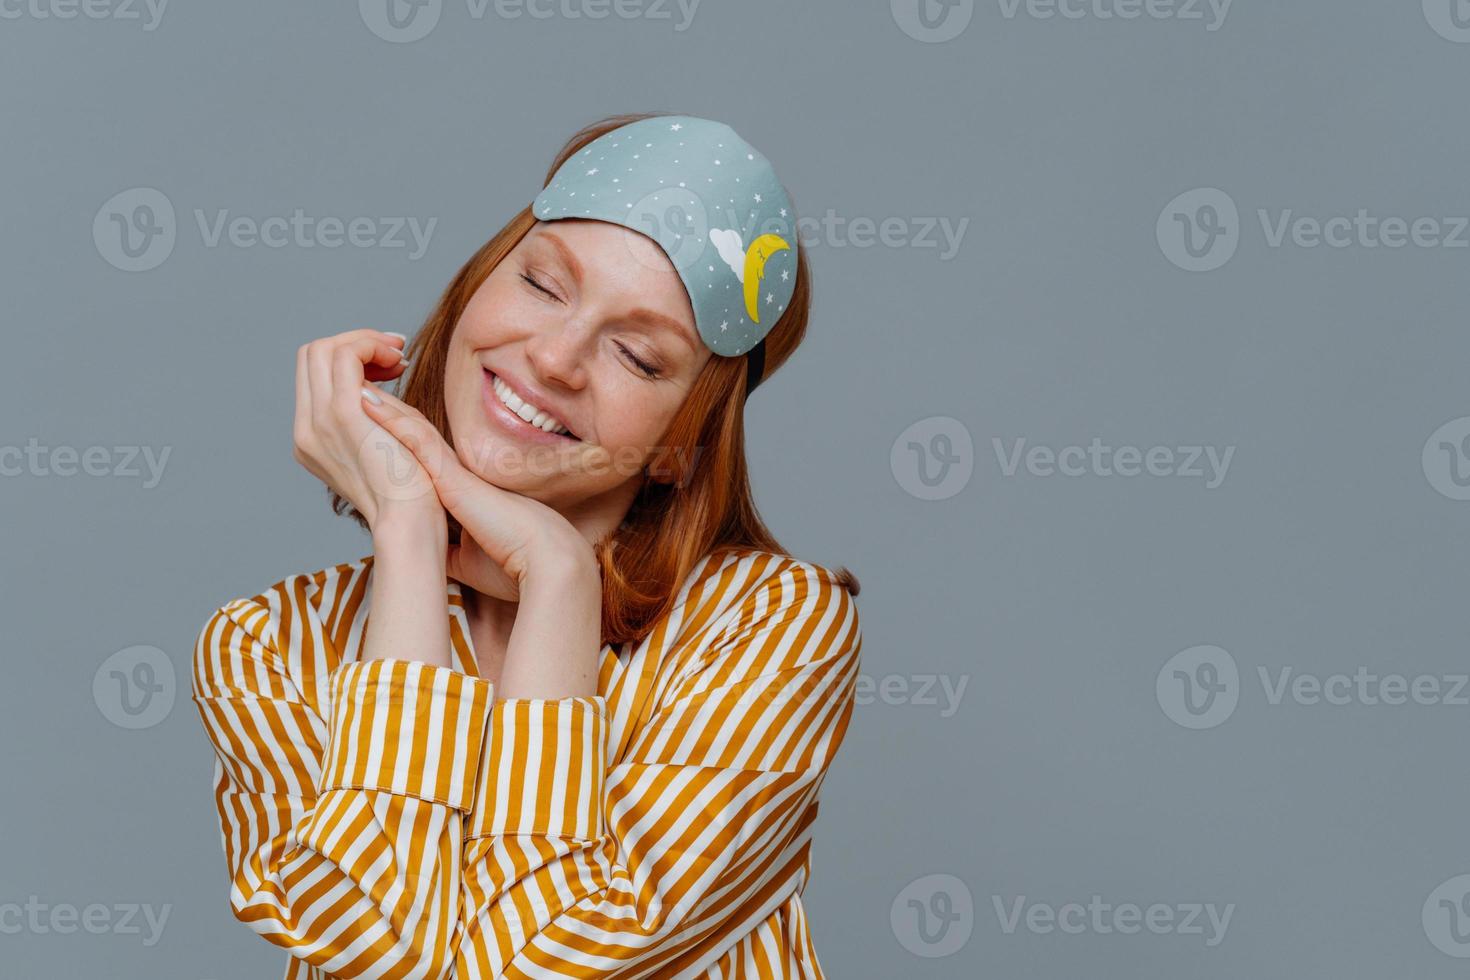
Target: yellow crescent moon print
x,y
756,257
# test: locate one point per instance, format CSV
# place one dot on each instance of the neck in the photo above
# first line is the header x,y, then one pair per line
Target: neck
x,y
596,518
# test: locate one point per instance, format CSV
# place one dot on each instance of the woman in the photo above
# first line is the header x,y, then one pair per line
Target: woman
x,y
571,716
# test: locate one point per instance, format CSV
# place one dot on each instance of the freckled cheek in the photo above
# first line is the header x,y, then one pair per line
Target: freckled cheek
x,y
499,313
633,426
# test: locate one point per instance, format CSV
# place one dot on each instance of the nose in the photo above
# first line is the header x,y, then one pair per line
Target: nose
x,y
560,351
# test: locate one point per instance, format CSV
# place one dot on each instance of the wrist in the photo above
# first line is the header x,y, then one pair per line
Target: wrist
x,y
563,584
408,531
567,565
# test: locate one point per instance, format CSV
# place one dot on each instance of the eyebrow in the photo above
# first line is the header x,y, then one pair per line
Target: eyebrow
x,y
566,254
641,314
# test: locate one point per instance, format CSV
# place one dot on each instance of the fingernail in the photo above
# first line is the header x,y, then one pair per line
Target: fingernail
x,y
398,335
371,396
403,360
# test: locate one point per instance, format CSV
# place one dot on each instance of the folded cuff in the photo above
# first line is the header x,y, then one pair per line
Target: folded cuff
x,y
406,727
544,769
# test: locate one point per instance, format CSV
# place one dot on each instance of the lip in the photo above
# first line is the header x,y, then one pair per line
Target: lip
x,y
511,423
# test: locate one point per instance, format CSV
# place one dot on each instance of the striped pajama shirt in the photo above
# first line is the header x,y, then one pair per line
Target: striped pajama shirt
x,y
395,819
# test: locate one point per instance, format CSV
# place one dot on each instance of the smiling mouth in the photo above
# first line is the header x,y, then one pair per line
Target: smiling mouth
x,y
535,417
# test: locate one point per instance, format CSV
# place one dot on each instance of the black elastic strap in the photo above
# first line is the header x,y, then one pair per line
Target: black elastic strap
x,y
755,366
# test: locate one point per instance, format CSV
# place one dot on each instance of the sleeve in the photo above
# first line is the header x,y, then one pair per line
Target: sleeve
x,y
343,830
655,865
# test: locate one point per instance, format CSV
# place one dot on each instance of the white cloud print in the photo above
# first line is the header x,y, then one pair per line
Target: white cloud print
x,y
732,250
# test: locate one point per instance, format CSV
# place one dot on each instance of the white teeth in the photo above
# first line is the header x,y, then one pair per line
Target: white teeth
x,y
530,413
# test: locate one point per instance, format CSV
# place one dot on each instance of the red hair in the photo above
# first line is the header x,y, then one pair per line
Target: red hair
x,y
705,505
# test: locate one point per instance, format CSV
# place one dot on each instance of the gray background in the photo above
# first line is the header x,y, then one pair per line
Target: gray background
x,y
1056,599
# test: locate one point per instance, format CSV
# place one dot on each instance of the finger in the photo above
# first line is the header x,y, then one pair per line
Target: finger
x,y
375,373
453,567
468,564
303,378
319,381
398,405
458,488
415,432
385,355
362,360
302,421
384,359
368,346
347,382
353,336
451,480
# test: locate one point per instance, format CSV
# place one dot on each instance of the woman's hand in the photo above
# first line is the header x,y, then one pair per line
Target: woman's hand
x,y
337,441
509,539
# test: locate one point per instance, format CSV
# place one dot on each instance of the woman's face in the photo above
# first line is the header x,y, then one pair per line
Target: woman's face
x,y
585,328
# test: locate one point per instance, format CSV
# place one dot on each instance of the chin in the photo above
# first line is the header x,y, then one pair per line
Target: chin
x,y
530,472
499,464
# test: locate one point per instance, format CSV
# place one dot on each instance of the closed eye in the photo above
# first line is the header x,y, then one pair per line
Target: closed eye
x,y
648,369
537,286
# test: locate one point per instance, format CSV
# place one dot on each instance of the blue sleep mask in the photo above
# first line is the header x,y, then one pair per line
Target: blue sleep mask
x,y
714,206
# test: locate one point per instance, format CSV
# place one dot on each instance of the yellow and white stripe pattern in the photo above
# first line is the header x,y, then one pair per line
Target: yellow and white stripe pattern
x,y
395,819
